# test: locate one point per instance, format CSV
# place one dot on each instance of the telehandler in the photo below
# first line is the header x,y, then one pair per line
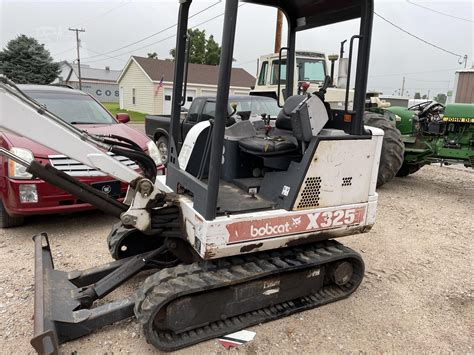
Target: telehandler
x,y
240,230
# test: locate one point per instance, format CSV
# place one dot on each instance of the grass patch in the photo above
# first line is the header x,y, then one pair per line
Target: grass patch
x,y
114,108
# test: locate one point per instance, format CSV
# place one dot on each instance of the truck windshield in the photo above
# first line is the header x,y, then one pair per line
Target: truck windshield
x,y
73,108
311,70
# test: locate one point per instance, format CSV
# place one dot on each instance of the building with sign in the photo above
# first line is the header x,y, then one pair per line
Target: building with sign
x,y
100,83
146,84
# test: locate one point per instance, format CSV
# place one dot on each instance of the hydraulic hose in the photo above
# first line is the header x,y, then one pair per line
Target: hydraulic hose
x,y
145,162
126,140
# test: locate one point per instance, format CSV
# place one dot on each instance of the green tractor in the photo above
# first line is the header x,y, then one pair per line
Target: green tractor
x,y
433,132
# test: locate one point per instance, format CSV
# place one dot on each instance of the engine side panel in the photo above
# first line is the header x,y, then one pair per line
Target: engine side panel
x,y
339,174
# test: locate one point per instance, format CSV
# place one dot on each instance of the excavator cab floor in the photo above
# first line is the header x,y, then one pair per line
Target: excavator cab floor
x,y
233,199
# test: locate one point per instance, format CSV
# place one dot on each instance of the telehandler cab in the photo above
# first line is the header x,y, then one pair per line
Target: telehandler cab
x,y
239,230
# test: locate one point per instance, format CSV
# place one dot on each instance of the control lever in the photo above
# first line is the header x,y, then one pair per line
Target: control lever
x,y
322,91
266,122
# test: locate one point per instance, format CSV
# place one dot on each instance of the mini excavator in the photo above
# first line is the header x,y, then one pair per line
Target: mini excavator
x,y
241,228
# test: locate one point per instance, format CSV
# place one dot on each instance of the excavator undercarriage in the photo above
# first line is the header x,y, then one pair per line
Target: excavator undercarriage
x,y
174,304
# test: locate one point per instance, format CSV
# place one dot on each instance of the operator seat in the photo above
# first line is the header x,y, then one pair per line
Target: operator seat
x,y
263,145
283,120
302,116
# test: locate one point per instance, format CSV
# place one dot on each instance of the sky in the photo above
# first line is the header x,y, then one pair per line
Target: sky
x,y
110,25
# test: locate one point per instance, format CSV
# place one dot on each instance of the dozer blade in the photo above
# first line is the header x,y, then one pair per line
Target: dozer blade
x,y
57,314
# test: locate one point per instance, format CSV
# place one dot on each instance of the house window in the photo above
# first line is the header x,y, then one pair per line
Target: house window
x,y
190,99
167,97
134,101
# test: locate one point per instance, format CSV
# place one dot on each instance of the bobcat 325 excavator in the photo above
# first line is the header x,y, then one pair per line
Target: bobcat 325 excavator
x,y
240,229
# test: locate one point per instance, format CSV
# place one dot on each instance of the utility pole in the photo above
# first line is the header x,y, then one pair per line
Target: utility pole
x,y
403,87
279,25
77,30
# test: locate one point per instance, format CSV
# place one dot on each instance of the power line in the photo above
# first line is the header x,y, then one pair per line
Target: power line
x,y
459,56
156,33
439,12
105,55
124,53
64,51
430,81
419,72
105,13
246,62
161,40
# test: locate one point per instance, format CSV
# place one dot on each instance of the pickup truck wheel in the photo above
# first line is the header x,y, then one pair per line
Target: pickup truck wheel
x,y
7,221
162,144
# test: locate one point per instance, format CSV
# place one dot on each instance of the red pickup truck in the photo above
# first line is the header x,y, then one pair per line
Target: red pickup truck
x,y
22,195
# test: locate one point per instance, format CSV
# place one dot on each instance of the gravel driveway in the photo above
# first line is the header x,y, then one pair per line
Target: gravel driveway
x,y
417,294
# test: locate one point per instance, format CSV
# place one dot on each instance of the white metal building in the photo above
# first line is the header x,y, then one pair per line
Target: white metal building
x,y
464,86
100,83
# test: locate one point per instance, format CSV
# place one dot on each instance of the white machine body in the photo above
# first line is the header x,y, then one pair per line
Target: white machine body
x,y
338,198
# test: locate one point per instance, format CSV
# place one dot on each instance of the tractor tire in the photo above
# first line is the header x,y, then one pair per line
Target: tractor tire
x,y
393,149
7,221
407,169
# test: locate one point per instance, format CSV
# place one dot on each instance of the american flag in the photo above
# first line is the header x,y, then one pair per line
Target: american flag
x,y
160,85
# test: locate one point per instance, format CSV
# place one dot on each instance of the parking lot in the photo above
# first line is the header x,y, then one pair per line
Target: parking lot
x,y
417,294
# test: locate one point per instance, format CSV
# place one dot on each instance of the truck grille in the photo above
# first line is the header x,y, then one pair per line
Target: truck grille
x,y
75,168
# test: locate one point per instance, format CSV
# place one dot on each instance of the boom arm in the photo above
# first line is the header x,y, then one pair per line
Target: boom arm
x,y
24,117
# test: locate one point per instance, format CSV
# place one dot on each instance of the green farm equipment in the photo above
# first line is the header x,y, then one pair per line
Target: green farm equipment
x,y
433,132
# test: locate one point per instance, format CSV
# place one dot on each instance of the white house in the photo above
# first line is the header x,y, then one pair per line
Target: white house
x,y
140,78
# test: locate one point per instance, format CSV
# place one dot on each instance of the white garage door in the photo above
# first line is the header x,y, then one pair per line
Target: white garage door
x,y
190,96
241,92
167,97
211,93
168,94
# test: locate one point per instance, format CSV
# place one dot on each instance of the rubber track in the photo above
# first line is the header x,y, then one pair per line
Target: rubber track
x,y
160,289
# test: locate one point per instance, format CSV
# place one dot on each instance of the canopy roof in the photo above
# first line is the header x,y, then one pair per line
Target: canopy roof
x,y
304,14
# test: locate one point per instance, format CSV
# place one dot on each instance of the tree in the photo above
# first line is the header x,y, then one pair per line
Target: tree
x,y
26,61
417,95
153,55
213,52
202,50
441,98
425,97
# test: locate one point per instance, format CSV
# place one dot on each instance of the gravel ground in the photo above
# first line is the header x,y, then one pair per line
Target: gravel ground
x,y
417,294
